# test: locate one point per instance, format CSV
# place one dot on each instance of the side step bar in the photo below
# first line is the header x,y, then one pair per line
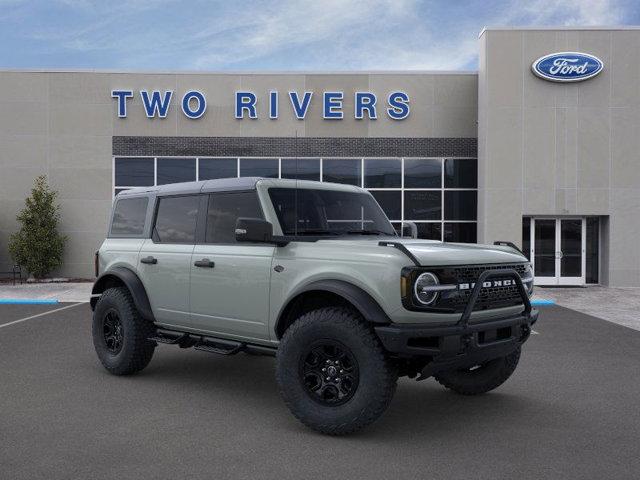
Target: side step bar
x,y
205,343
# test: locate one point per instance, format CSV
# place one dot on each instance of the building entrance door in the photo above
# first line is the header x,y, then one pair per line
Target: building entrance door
x,y
558,250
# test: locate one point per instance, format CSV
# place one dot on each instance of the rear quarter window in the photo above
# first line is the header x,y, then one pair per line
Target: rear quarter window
x,y
128,216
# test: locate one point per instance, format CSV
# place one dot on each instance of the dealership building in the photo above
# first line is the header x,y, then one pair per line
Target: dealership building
x,y
539,147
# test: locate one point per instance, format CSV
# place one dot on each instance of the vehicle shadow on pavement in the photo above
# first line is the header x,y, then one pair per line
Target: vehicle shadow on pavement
x,y
418,408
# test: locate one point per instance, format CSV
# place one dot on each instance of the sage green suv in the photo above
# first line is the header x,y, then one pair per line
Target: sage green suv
x,y
314,274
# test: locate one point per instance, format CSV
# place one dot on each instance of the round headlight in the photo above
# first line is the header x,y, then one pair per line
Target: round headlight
x,y
528,276
421,288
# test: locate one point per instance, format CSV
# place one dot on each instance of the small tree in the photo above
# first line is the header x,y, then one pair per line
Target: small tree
x,y
38,246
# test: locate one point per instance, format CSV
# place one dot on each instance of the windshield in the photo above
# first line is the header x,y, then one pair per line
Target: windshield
x,y
329,212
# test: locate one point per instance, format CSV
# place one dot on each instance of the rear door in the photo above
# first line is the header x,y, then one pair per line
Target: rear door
x,y
164,263
229,280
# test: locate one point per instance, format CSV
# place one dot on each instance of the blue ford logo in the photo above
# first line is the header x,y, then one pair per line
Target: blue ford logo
x,y
567,66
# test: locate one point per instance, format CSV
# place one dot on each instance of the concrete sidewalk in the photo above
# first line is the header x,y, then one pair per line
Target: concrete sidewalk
x,y
62,292
614,304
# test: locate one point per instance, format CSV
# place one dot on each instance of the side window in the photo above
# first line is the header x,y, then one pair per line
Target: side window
x,y
128,216
176,219
224,210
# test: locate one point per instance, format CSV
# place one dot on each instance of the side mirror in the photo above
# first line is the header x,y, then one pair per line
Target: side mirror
x,y
255,230
409,229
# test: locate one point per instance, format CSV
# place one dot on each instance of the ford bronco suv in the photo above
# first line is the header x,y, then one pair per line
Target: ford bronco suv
x,y
314,274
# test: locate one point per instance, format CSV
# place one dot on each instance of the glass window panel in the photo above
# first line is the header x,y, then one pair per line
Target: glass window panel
x,y
223,212
259,167
422,173
176,219
430,231
302,168
397,226
326,212
391,203
340,170
461,232
129,215
460,205
382,173
526,237
571,248
134,172
422,205
545,248
593,240
211,168
460,173
176,170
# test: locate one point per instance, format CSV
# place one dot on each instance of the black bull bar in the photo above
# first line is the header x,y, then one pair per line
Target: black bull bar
x,y
463,344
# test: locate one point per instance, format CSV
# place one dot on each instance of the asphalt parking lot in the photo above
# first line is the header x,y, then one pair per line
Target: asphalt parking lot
x,y
571,410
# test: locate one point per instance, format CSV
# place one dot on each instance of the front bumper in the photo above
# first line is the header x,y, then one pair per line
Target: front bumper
x,y
463,344
455,346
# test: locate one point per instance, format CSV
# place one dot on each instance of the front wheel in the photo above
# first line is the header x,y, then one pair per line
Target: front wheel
x,y
480,378
333,373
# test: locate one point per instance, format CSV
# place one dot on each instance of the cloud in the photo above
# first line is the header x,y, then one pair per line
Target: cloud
x,y
383,35
568,12
283,34
327,28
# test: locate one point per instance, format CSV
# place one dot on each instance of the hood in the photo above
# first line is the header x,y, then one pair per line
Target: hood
x,y
432,253
435,253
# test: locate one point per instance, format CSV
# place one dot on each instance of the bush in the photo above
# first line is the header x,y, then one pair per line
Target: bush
x,y
38,246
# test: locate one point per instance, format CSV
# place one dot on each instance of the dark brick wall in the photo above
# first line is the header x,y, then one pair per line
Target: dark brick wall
x,y
291,147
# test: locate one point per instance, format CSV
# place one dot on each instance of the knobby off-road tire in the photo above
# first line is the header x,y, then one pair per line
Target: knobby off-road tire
x,y
120,334
361,380
481,379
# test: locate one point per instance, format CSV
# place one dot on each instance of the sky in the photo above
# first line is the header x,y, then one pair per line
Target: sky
x,y
278,35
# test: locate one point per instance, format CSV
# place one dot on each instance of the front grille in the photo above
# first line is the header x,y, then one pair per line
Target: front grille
x,y
471,273
490,297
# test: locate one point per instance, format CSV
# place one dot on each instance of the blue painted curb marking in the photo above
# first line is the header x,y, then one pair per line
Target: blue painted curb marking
x,y
538,303
27,301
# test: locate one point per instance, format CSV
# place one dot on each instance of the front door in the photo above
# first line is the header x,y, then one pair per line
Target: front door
x,y
229,280
558,250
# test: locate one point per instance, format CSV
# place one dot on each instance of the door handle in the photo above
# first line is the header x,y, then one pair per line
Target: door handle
x,y
149,260
204,263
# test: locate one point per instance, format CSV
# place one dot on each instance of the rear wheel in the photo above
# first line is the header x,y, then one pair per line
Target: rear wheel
x,y
480,378
333,373
120,334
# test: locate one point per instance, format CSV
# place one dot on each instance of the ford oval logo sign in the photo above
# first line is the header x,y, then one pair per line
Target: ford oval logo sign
x,y
567,66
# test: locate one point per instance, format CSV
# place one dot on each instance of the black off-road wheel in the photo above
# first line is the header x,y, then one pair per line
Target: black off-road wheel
x,y
480,378
333,373
120,334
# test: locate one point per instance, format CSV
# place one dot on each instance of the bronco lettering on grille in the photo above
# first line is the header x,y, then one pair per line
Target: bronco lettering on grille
x,y
488,284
